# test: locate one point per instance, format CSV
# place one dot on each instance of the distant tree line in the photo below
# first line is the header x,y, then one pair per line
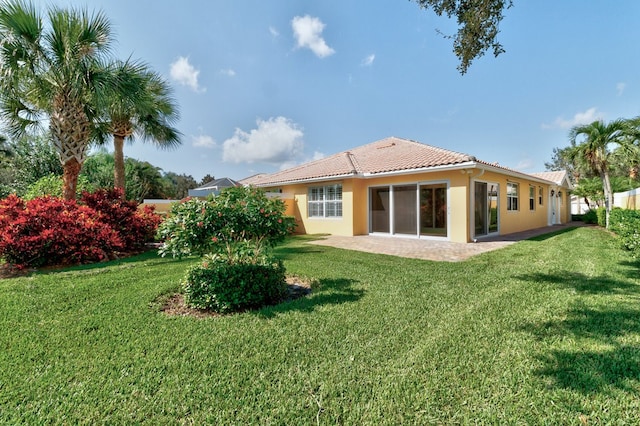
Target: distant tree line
x,y
30,165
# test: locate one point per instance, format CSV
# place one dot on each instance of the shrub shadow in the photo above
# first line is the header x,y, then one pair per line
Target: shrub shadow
x,y
583,283
285,253
149,256
326,292
606,359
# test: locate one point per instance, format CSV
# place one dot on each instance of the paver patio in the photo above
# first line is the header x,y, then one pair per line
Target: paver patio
x,y
432,249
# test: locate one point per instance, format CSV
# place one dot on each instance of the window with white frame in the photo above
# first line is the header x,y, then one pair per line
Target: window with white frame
x,y
325,201
540,195
532,197
512,196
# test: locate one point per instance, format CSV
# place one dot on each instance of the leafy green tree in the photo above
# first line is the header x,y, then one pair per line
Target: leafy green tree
x,y
478,22
596,147
140,105
32,157
5,150
144,180
208,178
54,70
98,169
178,186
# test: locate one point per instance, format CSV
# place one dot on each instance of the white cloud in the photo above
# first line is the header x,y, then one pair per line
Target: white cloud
x,y
318,156
275,141
184,73
274,32
229,72
620,87
308,33
368,61
525,164
586,117
203,141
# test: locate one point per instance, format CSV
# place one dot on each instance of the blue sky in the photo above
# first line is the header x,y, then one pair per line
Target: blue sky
x,y
264,85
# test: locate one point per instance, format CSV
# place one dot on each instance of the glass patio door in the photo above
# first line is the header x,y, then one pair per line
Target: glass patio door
x,y
433,210
485,208
405,215
379,209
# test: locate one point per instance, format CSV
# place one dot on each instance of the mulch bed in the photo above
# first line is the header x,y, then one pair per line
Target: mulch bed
x,y
174,304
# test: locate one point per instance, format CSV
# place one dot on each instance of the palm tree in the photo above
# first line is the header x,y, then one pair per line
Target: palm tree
x,y
140,105
600,138
54,72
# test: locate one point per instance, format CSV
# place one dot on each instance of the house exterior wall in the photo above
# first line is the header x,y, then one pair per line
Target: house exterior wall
x,y
460,213
523,218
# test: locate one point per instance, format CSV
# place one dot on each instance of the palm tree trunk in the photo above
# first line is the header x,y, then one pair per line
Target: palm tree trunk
x,y
71,170
608,195
118,162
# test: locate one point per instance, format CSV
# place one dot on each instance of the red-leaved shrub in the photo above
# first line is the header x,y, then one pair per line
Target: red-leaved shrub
x,y
52,231
135,227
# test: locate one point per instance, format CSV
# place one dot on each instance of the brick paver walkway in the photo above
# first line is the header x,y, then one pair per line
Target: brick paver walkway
x,y
431,249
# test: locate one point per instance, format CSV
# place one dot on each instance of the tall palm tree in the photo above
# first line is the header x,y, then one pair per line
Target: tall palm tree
x,y
140,105
600,139
54,72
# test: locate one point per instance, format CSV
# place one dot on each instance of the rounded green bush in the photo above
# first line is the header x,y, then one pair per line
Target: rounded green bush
x,y
235,281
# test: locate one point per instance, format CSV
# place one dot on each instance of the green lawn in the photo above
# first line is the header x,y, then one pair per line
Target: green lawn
x,y
546,331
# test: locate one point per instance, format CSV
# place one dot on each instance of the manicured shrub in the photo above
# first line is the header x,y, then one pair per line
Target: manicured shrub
x,y
601,213
52,231
197,226
626,225
135,227
243,278
590,217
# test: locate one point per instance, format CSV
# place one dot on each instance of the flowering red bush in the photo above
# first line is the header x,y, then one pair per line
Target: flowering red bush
x,y
52,231
135,227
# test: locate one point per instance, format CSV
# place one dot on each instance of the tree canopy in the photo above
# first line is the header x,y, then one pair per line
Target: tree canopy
x,y
478,26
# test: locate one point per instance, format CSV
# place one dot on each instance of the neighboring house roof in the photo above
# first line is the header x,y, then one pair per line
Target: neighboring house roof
x,y
387,156
217,184
213,187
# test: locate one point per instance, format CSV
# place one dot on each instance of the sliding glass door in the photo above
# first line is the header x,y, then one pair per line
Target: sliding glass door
x,y
418,210
405,214
485,208
433,210
379,210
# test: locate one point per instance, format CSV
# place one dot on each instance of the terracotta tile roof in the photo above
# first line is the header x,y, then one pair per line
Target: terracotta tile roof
x,y
386,155
555,177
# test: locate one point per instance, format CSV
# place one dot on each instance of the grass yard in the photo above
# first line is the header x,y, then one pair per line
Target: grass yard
x,y
546,331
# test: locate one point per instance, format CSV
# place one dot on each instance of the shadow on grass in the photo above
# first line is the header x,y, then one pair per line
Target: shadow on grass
x,y
552,234
327,292
150,255
599,359
288,252
591,346
583,283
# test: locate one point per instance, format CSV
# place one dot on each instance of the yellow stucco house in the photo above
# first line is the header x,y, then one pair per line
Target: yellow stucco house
x,y
398,187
